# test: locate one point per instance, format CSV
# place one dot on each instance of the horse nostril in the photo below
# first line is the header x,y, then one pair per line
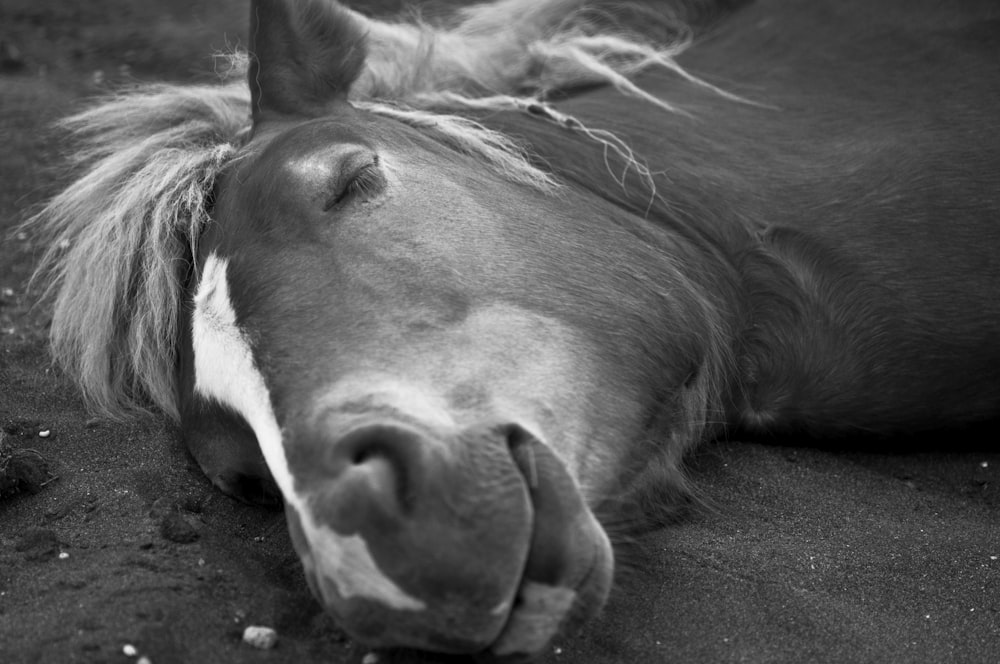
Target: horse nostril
x,y
377,467
361,455
362,445
516,435
520,444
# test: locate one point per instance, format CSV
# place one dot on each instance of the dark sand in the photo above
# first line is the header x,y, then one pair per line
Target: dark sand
x,y
804,555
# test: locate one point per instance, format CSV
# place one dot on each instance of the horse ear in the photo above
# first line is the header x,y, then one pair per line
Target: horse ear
x,y
304,55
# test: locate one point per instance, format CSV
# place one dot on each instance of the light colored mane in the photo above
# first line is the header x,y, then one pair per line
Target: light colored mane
x,y
122,234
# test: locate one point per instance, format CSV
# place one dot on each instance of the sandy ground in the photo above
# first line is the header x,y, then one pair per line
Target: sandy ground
x,y
800,555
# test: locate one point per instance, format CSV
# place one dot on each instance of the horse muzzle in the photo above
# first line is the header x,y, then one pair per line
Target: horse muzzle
x,y
480,543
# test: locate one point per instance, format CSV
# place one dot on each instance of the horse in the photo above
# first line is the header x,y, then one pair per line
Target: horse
x,y
462,295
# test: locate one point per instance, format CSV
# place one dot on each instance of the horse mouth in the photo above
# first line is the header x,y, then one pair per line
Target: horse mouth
x,y
547,570
568,571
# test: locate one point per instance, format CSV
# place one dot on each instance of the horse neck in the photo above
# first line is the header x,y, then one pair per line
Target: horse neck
x,y
789,216
780,216
710,202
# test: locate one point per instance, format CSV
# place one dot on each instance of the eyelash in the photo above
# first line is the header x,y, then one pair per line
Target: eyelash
x,y
367,180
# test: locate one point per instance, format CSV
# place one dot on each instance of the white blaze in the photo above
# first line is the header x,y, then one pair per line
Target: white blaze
x,y
225,371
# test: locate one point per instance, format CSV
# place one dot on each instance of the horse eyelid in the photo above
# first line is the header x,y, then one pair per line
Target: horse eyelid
x,y
367,181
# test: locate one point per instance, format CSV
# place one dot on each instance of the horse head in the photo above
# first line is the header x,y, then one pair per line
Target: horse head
x,y
442,358
435,361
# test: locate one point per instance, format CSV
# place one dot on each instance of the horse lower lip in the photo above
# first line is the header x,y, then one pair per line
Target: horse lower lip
x,y
567,572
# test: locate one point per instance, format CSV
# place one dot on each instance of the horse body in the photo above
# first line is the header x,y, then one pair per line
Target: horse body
x,y
446,360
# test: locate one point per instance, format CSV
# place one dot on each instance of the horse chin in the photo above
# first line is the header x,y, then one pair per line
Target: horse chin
x,y
494,610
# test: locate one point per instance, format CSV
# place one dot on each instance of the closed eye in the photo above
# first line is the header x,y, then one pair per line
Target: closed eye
x,y
364,184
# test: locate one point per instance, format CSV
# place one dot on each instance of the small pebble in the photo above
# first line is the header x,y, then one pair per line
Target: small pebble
x,y
984,464
63,555
370,658
263,638
44,433
144,660
129,650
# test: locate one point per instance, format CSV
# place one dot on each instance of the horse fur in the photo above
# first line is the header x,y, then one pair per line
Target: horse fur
x,y
121,237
